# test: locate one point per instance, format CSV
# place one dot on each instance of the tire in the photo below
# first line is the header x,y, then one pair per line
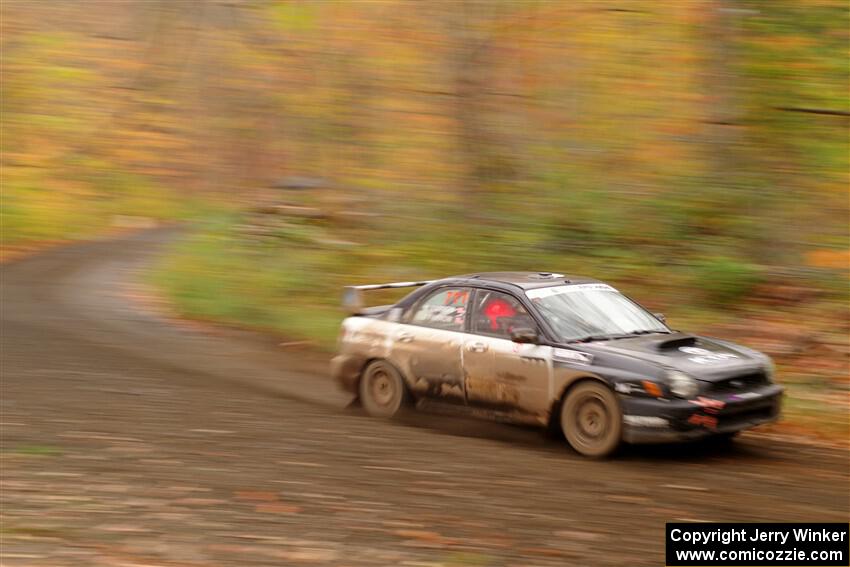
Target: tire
x,y
591,419
382,389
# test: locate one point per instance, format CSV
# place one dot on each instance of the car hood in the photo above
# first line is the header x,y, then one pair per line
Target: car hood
x,y
700,357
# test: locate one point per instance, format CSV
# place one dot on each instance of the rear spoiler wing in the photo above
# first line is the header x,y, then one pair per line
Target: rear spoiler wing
x,y
352,296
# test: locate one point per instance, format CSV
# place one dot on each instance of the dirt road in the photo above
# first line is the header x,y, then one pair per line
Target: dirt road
x,y
127,441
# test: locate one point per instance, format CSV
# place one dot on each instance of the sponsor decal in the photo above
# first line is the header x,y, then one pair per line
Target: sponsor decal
x,y
744,396
705,356
645,421
708,404
706,421
694,350
625,388
440,314
456,297
564,355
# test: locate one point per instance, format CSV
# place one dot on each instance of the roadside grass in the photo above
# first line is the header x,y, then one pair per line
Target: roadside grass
x,y
39,207
214,276
814,412
37,450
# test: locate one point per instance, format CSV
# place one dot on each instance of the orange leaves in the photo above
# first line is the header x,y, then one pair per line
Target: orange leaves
x,y
266,502
835,259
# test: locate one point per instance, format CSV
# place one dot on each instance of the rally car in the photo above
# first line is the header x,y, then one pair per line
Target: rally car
x,y
554,350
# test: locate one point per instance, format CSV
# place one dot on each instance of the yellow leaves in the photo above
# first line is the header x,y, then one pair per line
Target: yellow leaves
x,y
784,42
835,4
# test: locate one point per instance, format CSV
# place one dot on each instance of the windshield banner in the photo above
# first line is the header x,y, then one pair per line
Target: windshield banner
x,y
559,289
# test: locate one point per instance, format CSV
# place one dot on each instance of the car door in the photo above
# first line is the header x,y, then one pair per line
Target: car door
x,y
499,372
427,346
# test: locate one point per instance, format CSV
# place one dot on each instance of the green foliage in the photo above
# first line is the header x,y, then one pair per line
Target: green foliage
x,y
37,207
294,16
724,280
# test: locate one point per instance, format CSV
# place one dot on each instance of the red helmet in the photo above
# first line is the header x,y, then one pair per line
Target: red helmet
x,y
497,308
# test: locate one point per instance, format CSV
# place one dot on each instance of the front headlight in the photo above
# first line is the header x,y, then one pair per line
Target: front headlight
x,y
681,384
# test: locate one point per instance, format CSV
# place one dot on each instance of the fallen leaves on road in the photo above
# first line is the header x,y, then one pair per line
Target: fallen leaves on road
x,y
255,496
277,508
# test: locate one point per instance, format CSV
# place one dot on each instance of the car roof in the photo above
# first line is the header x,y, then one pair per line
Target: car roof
x,y
508,282
524,280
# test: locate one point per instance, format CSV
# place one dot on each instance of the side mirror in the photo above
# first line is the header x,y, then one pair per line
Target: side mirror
x,y
660,316
524,335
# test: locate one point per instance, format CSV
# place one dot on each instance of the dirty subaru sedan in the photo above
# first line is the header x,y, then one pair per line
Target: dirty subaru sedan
x,y
552,350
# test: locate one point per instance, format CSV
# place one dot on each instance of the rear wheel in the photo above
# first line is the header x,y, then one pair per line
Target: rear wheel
x,y
382,389
591,420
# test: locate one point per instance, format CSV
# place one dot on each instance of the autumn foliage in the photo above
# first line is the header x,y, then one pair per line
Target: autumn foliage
x,y
693,152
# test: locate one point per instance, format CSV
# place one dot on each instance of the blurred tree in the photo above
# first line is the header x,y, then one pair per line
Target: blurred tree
x,y
702,126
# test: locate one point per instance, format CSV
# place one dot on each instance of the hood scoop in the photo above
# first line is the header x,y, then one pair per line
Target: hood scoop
x,y
681,341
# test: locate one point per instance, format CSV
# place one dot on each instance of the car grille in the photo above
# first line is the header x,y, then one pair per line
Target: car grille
x,y
762,413
741,383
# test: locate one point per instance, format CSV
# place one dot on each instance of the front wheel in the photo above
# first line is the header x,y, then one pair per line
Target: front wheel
x,y
382,389
591,420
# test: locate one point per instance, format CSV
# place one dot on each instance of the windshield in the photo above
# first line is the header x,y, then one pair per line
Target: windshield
x,y
592,311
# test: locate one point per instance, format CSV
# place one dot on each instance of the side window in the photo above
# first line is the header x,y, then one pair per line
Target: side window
x,y
497,314
444,309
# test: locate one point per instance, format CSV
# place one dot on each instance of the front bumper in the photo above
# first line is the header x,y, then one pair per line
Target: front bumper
x,y
653,420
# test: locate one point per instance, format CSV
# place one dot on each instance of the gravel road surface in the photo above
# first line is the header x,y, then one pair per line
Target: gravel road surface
x,y
127,440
